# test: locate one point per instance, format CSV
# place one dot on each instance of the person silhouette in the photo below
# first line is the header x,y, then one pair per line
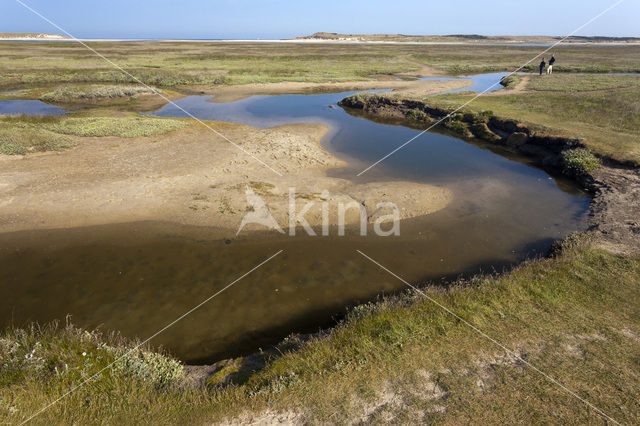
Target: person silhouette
x,y
551,62
542,64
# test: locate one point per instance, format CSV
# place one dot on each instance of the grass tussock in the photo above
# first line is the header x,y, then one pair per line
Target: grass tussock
x,y
125,127
402,357
93,93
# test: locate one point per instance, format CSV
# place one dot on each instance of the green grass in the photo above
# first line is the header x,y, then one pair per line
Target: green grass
x,y
124,127
602,110
573,316
92,93
180,64
583,82
188,64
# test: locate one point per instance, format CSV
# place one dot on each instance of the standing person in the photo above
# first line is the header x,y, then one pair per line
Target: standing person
x,y
542,64
551,62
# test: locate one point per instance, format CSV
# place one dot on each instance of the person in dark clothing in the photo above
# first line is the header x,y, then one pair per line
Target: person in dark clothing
x,y
551,62
542,64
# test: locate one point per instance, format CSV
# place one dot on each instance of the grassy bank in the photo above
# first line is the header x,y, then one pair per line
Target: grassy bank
x,y
601,110
573,316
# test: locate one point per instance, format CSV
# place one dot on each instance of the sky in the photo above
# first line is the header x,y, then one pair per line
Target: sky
x,y
274,19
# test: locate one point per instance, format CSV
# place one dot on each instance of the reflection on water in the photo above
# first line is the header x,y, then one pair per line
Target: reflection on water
x,y
138,277
29,107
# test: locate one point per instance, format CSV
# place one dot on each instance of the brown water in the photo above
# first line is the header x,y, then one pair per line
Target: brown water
x,y
138,277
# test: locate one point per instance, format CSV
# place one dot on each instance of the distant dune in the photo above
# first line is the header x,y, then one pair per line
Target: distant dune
x,y
31,36
461,38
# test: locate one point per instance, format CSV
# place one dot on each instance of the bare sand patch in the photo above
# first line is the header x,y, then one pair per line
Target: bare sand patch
x,y
192,177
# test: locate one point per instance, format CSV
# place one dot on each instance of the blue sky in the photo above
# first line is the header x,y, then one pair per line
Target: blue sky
x,y
288,18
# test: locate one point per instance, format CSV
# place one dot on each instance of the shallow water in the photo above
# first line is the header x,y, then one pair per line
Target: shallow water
x,y
29,107
486,83
138,277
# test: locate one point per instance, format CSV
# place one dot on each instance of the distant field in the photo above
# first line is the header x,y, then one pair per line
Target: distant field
x,y
181,64
478,59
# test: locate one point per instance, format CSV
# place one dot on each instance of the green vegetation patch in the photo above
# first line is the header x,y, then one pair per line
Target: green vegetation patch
x,y
93,92
579,161
417,115
25,134
125,127
19,138
69,355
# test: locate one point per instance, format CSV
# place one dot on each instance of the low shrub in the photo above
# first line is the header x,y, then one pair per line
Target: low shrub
x,y
579,161
417,115
481,131
456,124
484,116
151,367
